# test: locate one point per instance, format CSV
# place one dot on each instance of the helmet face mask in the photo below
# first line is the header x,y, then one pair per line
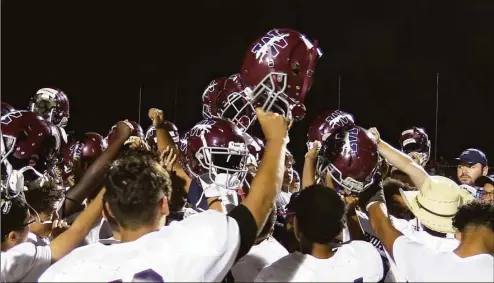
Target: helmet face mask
x,y
226,167
416,144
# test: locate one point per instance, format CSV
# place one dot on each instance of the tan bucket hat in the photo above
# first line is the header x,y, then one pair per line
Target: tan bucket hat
x,y
436,203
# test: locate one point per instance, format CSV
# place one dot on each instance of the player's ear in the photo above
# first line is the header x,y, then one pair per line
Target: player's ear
x,y
484,170
458,235
107,213
164,208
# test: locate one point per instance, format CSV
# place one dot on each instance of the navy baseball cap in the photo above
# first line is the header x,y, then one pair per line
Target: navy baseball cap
x,y
473,156
482,180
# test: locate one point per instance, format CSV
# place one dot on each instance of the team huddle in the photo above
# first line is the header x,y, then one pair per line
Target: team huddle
x,y
221,202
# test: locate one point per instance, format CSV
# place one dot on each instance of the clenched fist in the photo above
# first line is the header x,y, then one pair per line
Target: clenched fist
x,y
274,126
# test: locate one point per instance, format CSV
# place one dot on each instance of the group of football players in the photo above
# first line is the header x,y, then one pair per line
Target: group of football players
x,y
221,202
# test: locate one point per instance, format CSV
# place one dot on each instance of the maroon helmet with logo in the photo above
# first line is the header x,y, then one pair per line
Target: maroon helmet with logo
x,y
328,123
224,98
136,132
6,108
278,70
152,140
72,155
351,158
415,142
93,146
52,104
256,149
29,140
215,147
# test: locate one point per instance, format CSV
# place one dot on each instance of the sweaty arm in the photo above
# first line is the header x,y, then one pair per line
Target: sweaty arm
x,y
309,172
71,239
91,178
382,226
251,214
404,163
164,141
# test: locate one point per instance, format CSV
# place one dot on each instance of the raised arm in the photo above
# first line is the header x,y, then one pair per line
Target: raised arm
x,y
96,172
165,141
401,161
268,180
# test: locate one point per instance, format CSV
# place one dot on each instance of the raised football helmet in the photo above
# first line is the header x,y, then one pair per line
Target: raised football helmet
x,y
136,132
29,141
224,98
278,71
350,157
415,142
215,150
52,104
328,123
152,140
6,108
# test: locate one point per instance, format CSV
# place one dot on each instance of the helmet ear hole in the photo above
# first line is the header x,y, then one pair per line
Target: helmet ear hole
x,y
295,67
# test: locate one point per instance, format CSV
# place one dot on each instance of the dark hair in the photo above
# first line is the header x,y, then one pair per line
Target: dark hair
x,y
43,194
475,213
320,214
15,218
392,186
268,227
135,184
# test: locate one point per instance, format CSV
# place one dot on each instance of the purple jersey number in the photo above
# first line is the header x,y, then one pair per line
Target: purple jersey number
x,y
147,275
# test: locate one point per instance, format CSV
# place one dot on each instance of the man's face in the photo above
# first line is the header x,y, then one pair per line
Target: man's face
x,y
488,192
288,176
468,173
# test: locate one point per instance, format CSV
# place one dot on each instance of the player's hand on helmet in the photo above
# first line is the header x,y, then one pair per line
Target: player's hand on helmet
x,y
376,134
373,193
124,129
351,203
58,227
274,126
168,158
156,115
314,150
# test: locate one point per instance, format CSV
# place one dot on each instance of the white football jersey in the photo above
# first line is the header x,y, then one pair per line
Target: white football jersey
x,y
24,262
421,264
36,240
259,256
202,247
356,261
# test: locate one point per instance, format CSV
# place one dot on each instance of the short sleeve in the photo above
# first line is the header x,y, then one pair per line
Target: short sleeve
x,y
25,262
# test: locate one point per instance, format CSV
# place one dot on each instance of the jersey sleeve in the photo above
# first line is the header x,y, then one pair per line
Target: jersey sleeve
x,y
25,262
412,258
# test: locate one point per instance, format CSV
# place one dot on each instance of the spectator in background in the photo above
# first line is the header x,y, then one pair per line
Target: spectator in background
x,y
284,196
486,187
472,165
295,185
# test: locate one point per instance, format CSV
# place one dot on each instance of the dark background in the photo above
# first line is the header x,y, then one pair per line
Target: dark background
x,y
387,54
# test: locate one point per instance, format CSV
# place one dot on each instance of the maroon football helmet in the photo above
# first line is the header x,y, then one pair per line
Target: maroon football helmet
x,y
215,147
93,146
52,104
415,142
278,71
256,149
137,132
328,123
224,98
351,159
152,140
72,155
29,140
6,108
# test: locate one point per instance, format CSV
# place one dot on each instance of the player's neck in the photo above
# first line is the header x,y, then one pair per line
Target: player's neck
x,y
317,250
128,235
474,244
321,251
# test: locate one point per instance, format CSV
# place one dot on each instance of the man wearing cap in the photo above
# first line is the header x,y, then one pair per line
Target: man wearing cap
x,y
472,165
486,187
435,205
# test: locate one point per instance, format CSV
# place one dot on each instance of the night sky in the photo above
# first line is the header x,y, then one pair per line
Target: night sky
x,y
387,54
